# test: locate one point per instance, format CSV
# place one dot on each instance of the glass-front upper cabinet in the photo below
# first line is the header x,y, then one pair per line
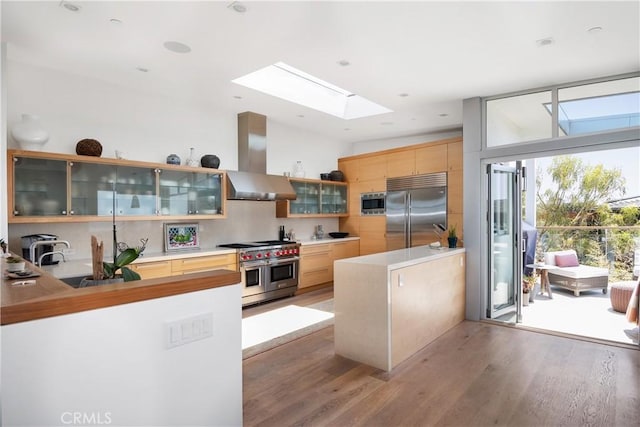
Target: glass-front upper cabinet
x,y
183,192
96,189
67,188
308,197
39,187
314,198
334,198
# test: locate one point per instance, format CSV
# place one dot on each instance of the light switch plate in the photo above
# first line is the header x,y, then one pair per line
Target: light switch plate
x,y
189,329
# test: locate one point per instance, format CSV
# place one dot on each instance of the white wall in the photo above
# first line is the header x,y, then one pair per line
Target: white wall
x,y
113,363
150,127
385,144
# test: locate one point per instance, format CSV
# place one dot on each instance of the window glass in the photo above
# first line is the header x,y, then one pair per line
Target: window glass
x,y
599,106
518,118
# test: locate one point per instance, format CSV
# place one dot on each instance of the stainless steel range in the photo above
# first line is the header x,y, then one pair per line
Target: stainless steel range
x,y
269,269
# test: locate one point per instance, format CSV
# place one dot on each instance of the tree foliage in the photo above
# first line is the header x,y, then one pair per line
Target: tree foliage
x,y
577,197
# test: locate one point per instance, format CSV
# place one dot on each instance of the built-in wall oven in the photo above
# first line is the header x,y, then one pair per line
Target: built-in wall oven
x,y
268,269
373,203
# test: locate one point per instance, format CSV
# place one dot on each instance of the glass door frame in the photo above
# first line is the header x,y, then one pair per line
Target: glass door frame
x,y
514,222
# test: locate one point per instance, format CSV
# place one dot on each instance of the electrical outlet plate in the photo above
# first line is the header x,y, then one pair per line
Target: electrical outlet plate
x,y
187,330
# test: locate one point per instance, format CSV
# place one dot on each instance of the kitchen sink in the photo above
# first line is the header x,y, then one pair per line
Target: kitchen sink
x,y
73,281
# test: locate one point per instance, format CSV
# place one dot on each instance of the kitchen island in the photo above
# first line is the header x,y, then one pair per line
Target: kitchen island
x,y
390,305
163,351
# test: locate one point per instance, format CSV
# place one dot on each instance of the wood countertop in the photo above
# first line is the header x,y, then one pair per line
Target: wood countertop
x,y
49,296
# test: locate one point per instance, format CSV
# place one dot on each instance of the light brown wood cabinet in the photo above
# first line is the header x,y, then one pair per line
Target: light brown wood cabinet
x,y
175,267
204,263
346,249
153,269
401,163
431,159
316,265
316,261
373,230
369,172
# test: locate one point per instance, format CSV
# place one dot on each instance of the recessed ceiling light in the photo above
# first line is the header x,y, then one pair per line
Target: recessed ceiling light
x,y
238,7
594,30
545,42
386,123
142,69
403,95
301,116
347,129
177,47
443,115
293,85
344,63
237,96
70,6
115,21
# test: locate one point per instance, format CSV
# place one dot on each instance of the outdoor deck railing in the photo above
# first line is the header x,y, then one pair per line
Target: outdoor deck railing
x,y
613,247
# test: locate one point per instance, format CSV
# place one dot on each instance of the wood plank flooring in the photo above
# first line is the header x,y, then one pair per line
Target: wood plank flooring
x,y
477,374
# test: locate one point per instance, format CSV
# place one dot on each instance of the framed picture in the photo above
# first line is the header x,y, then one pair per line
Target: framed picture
x,y
181,236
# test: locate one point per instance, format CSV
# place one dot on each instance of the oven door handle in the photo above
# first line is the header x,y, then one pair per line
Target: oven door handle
x,y
283,261
253,264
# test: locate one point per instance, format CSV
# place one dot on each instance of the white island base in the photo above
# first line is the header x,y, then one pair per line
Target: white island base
x,y
390,305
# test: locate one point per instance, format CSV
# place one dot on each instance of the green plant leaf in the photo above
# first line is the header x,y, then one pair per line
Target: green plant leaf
x,y
129,275
109,270
127,257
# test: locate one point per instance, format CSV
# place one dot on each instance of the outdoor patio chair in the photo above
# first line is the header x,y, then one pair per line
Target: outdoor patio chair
x,y
570,274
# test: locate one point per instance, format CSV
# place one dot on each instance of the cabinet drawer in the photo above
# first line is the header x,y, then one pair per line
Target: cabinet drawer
x,y
193,265
315,277
152,270
346,249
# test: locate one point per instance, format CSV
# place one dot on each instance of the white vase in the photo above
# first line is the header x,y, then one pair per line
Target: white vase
x,y
29,133
298,170
192,161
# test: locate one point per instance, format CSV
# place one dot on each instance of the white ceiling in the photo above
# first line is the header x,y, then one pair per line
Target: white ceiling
x,y
436,52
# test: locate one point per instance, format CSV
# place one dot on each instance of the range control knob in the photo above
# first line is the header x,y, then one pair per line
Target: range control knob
x,y
259,255
268,254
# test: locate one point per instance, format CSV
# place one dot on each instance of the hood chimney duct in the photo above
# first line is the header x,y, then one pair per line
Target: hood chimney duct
x,y
251,181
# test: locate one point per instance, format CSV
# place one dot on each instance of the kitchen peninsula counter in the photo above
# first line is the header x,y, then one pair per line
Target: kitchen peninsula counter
x,y
49,296
173,342
390,305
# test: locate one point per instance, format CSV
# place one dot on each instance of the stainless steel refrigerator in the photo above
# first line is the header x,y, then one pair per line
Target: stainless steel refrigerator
x,y
416,210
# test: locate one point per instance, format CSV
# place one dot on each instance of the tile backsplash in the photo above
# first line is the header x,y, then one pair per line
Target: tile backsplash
x,y
246,221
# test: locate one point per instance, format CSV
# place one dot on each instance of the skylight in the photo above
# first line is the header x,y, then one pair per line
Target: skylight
x,y
288,83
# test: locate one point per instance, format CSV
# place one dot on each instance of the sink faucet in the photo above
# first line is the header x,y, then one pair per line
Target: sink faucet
x,y
52,253
52,243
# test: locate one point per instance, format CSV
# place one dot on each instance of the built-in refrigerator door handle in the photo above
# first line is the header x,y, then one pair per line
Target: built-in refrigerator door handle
x,y
407,208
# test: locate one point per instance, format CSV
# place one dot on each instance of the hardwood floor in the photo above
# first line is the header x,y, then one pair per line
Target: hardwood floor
x,y
476,374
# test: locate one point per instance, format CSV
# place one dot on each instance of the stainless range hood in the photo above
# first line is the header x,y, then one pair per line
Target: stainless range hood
x,y
251,181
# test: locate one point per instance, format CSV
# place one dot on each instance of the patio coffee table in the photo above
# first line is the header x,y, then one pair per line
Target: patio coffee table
x,y
543,269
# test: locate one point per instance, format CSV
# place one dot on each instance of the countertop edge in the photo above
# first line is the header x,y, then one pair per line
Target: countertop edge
x,y
385,258
324,241
78,300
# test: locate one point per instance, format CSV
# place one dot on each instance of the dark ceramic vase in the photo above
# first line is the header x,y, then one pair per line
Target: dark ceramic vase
x,y
336,175
453,242
173,159
89,147
210,161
